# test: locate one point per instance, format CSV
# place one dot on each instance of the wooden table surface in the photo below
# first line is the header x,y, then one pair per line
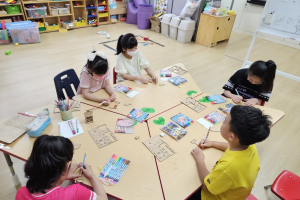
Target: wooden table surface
x,y
150,95
135,183
180,169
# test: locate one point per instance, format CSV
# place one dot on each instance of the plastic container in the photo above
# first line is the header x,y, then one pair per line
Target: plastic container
x,y
54,10
165,24
186,30
66,115
4,37
63,11
13,9
52,28
104,14
175,21
71,25
24,32
42,29
36,12
81,23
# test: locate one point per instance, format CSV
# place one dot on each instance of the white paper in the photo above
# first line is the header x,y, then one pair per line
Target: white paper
x,y
132,94
205,123
138,82
65,129
164,79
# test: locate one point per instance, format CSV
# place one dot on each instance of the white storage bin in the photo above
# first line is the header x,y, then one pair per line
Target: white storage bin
x,y
175,21
63,11
37,12
165,24
186,30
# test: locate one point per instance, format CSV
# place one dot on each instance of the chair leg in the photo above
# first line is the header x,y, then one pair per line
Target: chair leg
x,y
267,187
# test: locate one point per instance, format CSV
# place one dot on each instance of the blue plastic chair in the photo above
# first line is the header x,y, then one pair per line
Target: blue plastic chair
x,y
65,83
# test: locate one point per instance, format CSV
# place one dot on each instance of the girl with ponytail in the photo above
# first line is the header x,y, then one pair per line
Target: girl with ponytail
x,y
254,85
131,61
94,76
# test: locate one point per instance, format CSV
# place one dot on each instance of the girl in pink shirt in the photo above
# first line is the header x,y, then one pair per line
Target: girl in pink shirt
x,y
49,165
95,76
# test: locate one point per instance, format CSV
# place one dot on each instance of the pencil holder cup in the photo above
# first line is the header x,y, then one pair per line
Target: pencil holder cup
x,y
66,115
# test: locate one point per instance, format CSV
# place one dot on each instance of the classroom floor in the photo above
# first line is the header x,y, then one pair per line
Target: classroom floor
x,y
27,83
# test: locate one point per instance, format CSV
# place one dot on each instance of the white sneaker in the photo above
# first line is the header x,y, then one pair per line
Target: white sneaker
x,y
107,36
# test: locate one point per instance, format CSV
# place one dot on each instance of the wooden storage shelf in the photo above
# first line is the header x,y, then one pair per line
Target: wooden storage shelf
x,y
78,6
11,15
103,11
10,4
212,29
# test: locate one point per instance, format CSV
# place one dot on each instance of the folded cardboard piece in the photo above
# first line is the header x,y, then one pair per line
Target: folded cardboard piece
x,y
155,24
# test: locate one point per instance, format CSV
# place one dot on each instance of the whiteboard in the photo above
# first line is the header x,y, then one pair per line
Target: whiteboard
x,y
287,16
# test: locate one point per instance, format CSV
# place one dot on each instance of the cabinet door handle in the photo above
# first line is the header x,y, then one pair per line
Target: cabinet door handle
x,y
228,19
217,28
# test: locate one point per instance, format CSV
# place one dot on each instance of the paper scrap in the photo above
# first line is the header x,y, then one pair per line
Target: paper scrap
x,y
132,94
138,82
160,121
66,131
205,123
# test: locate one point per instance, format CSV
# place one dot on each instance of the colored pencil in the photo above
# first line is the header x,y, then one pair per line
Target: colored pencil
x,y
237,92
83,160
206,136
77,125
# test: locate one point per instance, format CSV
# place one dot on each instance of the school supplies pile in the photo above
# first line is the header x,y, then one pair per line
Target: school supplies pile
x,y
137,115
177,70
165,73
214,117
102,136
216,99
70,128
14,127
174,131
159,148
193,104
182,120
226,108
113,170
74,106
124,126
122,89
177,80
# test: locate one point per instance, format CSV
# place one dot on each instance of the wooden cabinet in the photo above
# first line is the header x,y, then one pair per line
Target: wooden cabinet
x,y
213,29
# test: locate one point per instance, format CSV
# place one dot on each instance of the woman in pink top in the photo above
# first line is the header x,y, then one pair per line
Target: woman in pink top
x,y
95,76
49,165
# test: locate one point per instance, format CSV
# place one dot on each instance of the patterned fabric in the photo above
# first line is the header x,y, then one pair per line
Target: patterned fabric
x,y
160,6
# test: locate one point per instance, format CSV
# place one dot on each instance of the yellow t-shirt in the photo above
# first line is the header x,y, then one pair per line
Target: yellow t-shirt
x,y
233,176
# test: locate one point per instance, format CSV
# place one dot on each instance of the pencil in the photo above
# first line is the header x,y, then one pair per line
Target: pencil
x,y
206,136
237,92
83,159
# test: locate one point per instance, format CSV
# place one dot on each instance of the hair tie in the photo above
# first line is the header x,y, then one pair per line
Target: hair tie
x,y
91,56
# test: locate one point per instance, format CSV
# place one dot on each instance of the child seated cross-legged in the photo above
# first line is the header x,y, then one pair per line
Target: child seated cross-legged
x,y
49,165
234,174
95,76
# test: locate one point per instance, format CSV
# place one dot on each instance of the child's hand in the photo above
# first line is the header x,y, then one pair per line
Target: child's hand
x,y
87,170
144,79
205,144
197,154
107,102
155,80
113,97
71,172
251,102
236,98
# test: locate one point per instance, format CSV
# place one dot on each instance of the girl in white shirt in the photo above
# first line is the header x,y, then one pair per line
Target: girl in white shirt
x,y
131,62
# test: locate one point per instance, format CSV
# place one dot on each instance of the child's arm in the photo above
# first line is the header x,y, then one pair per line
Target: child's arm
x,y
143,79
235,98
252,102
218,145
199,158
86,94
110,90
151,74
96,184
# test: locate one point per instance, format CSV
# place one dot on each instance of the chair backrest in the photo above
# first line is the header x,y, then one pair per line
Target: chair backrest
x,y
114,76
286,185
65,83
262,103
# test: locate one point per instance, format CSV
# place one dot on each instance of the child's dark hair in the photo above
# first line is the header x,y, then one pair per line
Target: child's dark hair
x,y
127,41
99,65
47,162
249,124
265,71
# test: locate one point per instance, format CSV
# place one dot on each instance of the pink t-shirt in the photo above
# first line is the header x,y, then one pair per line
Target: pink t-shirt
x,y
88,81
72,192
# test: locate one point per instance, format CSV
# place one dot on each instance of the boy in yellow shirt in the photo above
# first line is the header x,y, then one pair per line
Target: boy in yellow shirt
x,y
234,174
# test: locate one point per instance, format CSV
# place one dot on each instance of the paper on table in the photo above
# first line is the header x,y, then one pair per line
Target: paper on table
x,y
65,129
132,94
205,123
164,79
138,82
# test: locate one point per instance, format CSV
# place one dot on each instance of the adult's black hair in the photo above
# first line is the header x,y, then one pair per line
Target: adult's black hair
x,y
99,65
47,162
266,72
249,124
127,41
